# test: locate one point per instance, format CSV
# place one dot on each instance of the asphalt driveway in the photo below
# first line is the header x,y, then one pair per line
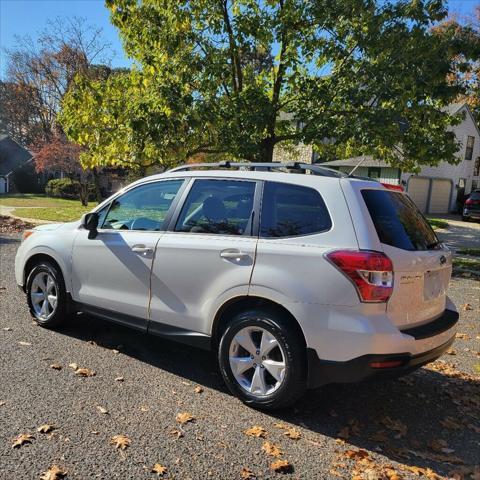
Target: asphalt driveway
x,y
425,425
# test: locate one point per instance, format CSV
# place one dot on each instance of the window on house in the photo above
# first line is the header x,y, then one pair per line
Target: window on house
x,y
469,149
476,169
374,172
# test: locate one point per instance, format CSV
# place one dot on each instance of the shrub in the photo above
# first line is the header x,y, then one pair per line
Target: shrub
x,y
63,188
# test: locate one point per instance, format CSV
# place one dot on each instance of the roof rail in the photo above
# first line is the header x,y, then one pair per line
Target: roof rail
x,y
253,166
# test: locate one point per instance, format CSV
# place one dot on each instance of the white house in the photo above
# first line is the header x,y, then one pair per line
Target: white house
x,y
435,189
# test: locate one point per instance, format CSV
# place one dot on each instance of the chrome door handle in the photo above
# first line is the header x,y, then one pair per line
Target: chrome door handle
x,y
142,249
233,254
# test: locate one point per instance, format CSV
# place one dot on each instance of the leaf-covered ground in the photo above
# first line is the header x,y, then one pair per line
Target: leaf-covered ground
x,y
95,400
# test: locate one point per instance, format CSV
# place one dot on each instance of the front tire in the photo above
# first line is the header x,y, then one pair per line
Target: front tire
x,y
262,359
46,294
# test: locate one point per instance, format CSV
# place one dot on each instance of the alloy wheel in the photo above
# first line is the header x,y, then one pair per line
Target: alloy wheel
x,y
44,295
257,361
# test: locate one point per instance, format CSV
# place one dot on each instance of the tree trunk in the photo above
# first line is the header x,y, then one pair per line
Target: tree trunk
x,y
266,149
96,182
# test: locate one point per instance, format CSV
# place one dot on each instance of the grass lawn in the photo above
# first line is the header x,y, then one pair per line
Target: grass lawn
x,y
41,207
34,200
470,251
468,263
56,214
437,223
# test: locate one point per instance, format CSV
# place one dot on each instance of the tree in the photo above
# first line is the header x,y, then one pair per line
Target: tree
x,y
40,72
217,77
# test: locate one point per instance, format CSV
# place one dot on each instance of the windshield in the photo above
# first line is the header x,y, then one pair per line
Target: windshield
x,y
398,220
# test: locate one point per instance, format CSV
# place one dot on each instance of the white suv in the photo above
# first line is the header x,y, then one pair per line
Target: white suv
x,y
295,280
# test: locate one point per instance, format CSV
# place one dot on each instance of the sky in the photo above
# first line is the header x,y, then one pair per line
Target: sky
x,y
28,17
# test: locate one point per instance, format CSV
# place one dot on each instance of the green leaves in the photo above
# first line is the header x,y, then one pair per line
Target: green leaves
x,y
214,77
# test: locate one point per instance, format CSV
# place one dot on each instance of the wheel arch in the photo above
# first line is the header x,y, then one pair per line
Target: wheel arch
x,y
241,303
34,260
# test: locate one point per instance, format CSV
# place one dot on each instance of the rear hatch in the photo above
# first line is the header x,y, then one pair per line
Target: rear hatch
x,y
422,265
473,202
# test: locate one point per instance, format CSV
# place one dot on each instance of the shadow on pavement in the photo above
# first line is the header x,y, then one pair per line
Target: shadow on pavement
x,y
429,419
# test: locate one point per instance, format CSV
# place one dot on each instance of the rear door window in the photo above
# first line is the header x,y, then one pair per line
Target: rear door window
x,y
398,221
292,210
222,207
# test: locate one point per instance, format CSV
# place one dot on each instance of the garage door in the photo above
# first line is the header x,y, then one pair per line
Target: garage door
x,y
440,196
418,190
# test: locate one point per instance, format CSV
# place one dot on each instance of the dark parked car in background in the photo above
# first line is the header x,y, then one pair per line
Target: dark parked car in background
x,y
471,208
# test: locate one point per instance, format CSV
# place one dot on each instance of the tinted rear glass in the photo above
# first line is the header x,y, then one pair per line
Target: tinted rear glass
x,y
398,221
291,210
475,195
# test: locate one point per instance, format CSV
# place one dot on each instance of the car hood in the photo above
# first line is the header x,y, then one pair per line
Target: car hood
x,y
57,226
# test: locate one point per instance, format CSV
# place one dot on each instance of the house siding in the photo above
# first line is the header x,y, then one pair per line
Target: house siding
x,y
464,169
388,175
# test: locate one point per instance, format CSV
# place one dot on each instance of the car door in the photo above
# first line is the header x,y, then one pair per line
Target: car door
x,y
111,273
206,257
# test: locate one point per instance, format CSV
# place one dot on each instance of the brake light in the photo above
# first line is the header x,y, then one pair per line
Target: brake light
x,y
471,201
370,272
396,188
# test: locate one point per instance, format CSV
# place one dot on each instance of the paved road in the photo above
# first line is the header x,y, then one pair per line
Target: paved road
x,y
460,234
159,382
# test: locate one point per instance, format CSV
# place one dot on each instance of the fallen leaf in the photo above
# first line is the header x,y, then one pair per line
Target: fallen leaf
x,y
22,439
54,473
439,445
92,342
143,408
85,372
467,306
344,433
159,469
119,379
184,417
395,425
7,329
73,365
451,351
102,410
247,474
46,428
198,389
380,436
293,434
256,431
2,403
462,336
281,466
115,351
272,449
450,423
56,366
356,454
177,433
120,441
25,344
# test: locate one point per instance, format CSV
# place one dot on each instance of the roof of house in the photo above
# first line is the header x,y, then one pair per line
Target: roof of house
x,y
366,161
12,155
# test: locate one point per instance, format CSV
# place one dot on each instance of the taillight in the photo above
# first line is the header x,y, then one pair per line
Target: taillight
x,y
370,272
471,201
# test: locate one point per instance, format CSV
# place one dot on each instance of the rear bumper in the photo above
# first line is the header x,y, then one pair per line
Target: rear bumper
x,y
322,372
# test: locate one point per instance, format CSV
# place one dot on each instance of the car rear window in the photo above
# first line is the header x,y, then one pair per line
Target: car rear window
x,y
292,210
398,221
475,195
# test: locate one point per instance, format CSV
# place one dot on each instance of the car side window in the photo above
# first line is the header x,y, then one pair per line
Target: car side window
x,y
292,210
222,207
143,208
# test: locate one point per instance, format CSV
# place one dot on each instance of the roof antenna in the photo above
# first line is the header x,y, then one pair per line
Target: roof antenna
x,y
357,165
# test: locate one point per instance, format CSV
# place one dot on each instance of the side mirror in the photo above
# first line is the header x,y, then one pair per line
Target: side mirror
x,y
90,222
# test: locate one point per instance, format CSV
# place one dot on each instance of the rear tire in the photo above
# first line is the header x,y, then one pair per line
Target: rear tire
x,y
268,356
465,219
46,294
